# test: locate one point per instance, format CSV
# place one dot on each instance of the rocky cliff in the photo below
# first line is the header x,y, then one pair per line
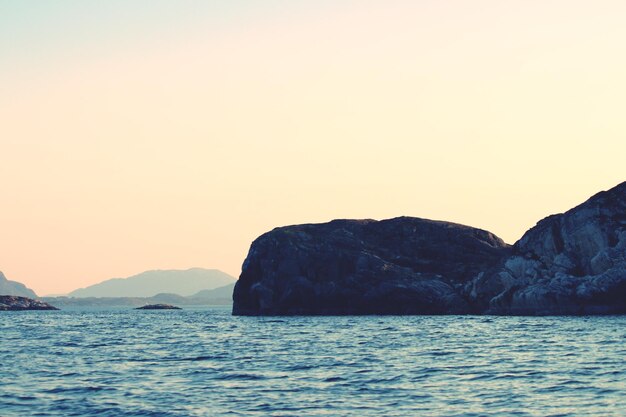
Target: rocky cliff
x,y
14,288
571,263
397,266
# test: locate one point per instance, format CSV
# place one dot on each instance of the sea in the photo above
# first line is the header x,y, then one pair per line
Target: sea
x,y
204,362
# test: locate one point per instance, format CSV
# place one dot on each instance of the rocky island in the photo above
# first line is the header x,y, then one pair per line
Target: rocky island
x,y
570,263
158,307
17,303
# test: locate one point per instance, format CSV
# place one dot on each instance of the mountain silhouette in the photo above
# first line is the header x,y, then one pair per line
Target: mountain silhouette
x,y
147,284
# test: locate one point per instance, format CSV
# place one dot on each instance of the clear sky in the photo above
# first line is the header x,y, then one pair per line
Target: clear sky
x,y
152,134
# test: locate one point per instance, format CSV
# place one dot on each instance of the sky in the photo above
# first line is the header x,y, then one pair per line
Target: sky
x,y
152,134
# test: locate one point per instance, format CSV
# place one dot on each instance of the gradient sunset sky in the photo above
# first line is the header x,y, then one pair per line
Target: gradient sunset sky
x,y
149,134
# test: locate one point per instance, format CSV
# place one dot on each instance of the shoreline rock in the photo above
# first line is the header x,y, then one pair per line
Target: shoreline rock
x,y
17,303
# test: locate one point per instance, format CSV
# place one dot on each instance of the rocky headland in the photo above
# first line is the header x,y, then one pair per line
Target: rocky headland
x,y
570,263
17,303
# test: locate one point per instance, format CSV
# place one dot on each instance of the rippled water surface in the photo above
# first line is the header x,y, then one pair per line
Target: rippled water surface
x,y
204,362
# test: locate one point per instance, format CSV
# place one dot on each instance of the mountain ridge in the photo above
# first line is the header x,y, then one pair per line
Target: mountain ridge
x,y
217,296
15,288
149,283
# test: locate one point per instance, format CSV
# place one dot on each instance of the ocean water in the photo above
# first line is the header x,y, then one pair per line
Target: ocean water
x,y
204,362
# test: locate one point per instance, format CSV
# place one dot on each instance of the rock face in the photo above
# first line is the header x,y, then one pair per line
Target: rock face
x,y
15,303
397,266
158,307
14,288
571,263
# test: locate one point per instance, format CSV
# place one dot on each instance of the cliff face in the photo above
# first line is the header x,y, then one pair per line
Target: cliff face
x,y
571,263
14,288
397,266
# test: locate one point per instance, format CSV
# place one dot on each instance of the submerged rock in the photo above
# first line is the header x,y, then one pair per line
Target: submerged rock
x,y
571,263
398,266
16,303
158,307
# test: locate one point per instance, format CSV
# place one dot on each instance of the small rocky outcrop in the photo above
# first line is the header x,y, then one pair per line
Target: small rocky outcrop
x,y
158,307
16,303
398,266
570,263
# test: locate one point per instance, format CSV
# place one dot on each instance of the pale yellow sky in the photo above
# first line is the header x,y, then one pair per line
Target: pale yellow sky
x,y
170,135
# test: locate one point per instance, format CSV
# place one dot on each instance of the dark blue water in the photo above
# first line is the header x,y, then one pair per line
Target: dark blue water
x,y
205,362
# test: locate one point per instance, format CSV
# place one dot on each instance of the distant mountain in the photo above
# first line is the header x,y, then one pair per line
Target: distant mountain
x,y
14,288
222,292
218,296
151,283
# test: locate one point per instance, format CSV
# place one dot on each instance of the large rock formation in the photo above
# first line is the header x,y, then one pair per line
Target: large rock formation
x,y
14,288
15,303
397,266
572,263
